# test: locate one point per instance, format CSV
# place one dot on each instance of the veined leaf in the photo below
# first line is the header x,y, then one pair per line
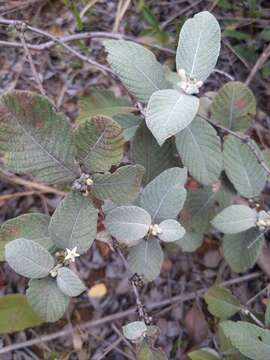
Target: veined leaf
x,y
199,46
47,299
200,150
235,219
146,259
221,302
168,112
164,196
121,187
100,144
74,223
242,250
154,158
134,330
16,314
102,102
234,106
29,258
190,242
251,340
69,283
129,123
128,224
171,230
136,67
242,167
33,226
35,138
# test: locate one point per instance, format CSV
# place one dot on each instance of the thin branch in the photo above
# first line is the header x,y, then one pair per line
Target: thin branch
x,y
258,65
122,314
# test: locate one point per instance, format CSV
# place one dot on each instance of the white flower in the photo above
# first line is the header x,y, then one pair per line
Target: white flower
x,y
71,254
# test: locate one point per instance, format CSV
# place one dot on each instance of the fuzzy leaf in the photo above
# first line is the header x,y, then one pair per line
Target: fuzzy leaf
x,y
235,219
128,224
16,314
242,167
190,242
28,258
202,355
129,123
221,302
35,138
251,340
171,230
200,150
242,250
168,112
102,102
121,187
134,330
154,158
33,226
146,259
47,299
100,144
234,106
74,223
69,283
164,196
199,46
136,67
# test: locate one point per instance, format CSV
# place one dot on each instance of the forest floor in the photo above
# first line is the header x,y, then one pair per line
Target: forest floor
x,y
174,298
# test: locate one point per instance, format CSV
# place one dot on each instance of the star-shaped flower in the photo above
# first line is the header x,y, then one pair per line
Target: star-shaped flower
x,y
71,254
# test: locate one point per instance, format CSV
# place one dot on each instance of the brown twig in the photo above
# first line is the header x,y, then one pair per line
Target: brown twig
x,y
123,314
15,195
258,65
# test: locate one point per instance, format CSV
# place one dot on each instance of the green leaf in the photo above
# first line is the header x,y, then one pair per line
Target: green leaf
x,y
221,302
235,219
251,340
47,299
202,355
154,158
69,283
121,187
29,258
33,226
242,167
171,230
146,259
136,67
35,138
16,314
102,102
168,112
134,330
129,123
147,352
200,150
190,242
234,106
74,223
199,209
128,224
100,144
267,315
242,250
199,46
164,196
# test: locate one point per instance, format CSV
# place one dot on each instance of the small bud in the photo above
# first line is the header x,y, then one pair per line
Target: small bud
x,y
89,182
182,74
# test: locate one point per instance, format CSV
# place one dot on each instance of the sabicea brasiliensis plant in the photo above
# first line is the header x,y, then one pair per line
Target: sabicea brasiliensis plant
x,y
179,133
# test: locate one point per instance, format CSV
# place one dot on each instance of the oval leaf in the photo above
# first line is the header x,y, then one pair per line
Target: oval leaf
x,y
128,224
235,219
47,299
242,167
190,242
35,138
135,330
199,46
200,150
69,283
29,258
136,67
168,112
74,223
171,230
99,143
